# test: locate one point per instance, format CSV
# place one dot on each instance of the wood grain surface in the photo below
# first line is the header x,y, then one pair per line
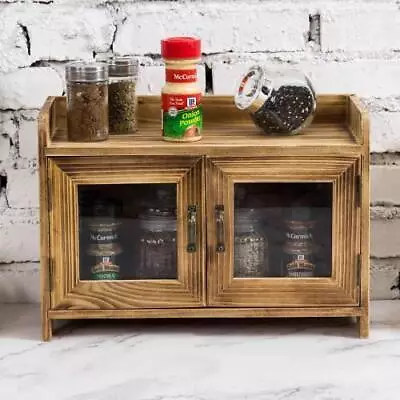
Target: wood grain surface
x,y
334,150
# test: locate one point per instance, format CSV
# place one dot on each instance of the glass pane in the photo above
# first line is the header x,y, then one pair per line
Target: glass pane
x,y
283,230
127,232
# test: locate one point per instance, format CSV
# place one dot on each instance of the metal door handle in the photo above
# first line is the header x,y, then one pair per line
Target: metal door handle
x,y
192,228
220,223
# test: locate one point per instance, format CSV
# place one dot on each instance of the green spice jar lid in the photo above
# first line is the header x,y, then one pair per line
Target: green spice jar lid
x,y
123,66
86,72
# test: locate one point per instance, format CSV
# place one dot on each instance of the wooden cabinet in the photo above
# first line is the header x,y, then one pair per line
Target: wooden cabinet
x,y
236,225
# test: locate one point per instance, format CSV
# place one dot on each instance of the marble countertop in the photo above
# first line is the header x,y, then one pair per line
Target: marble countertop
x,y
200,359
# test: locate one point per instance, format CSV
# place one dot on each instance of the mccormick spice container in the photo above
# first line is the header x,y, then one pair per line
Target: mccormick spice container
x,y
181,95
279,101
87,101
299,248
122,100
104,244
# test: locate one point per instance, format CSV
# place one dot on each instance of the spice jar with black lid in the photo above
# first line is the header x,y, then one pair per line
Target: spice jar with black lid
x,y
279,101
87,101
122,100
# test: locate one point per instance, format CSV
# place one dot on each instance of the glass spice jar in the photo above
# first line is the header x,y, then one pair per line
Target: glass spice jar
x,y
250,249
158,255
299,247
279,101
158,240
87,101
122,100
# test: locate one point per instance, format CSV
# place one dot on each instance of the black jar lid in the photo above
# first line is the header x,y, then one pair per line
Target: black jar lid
x,y
86,72
126,66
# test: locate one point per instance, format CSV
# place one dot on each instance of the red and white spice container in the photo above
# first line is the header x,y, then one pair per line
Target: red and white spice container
x,y
182,114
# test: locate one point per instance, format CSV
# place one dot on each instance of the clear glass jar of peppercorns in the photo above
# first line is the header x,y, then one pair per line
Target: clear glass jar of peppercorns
x,y
279,101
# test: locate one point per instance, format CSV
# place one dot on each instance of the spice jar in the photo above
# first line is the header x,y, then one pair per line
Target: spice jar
x,y
251,257
104,244
87,101
181,96
158,247
298,250
278,101
122,100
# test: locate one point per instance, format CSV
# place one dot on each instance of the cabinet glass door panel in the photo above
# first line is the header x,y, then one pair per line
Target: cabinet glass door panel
x,y
282,230
127,232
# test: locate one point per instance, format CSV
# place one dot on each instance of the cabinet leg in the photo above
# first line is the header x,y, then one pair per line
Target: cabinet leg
x,y
47,329
363,326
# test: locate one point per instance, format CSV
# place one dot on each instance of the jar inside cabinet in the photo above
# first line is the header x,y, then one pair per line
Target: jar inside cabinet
x,y
283,230
128,232
251,247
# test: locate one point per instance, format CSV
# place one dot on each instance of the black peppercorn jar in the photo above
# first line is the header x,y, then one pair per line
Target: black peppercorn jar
x,y
278,101
87,101
123,72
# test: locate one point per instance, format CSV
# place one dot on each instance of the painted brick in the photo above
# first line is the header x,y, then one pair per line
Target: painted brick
x,y
19,236
383,276
385,184
7,126
152,78
19,283
385,238
222,27
352,27
385,128
13,47
22,188
4,147
28,135
29,87
68,32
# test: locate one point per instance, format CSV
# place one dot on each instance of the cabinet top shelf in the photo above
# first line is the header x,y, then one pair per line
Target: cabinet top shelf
x,y
340,127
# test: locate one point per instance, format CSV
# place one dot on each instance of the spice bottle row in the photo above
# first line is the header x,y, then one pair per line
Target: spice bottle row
x,y
101,98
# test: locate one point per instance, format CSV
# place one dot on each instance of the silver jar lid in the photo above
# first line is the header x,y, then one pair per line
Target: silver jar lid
x,y
249,95
123,66
86,72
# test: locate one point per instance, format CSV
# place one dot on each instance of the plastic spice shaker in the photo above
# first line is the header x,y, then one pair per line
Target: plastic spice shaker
x,y
122,100
87,101
279,101
181,95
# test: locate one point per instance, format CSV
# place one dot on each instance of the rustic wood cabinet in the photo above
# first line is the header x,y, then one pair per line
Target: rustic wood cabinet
x,y
207,229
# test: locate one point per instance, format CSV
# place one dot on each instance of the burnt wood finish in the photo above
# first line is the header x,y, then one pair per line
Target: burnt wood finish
x,y
334,149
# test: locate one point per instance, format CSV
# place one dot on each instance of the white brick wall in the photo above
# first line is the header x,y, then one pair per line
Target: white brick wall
x,y
358,53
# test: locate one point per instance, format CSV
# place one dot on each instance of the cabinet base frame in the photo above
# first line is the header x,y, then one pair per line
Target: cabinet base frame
x,y
360,313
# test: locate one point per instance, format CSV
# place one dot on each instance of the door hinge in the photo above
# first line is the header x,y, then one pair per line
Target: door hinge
x,y
358,190
51,274
358,269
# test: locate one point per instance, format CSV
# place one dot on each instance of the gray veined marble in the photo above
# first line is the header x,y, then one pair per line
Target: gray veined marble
x,y
200,360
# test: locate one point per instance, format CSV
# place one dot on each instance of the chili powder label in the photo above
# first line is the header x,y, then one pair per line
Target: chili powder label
x,y
182,116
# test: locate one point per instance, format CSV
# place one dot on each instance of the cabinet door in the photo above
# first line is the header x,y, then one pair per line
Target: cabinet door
x,y
283,232
125,232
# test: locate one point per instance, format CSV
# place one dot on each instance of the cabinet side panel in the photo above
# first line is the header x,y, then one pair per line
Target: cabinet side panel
x,y
44,133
